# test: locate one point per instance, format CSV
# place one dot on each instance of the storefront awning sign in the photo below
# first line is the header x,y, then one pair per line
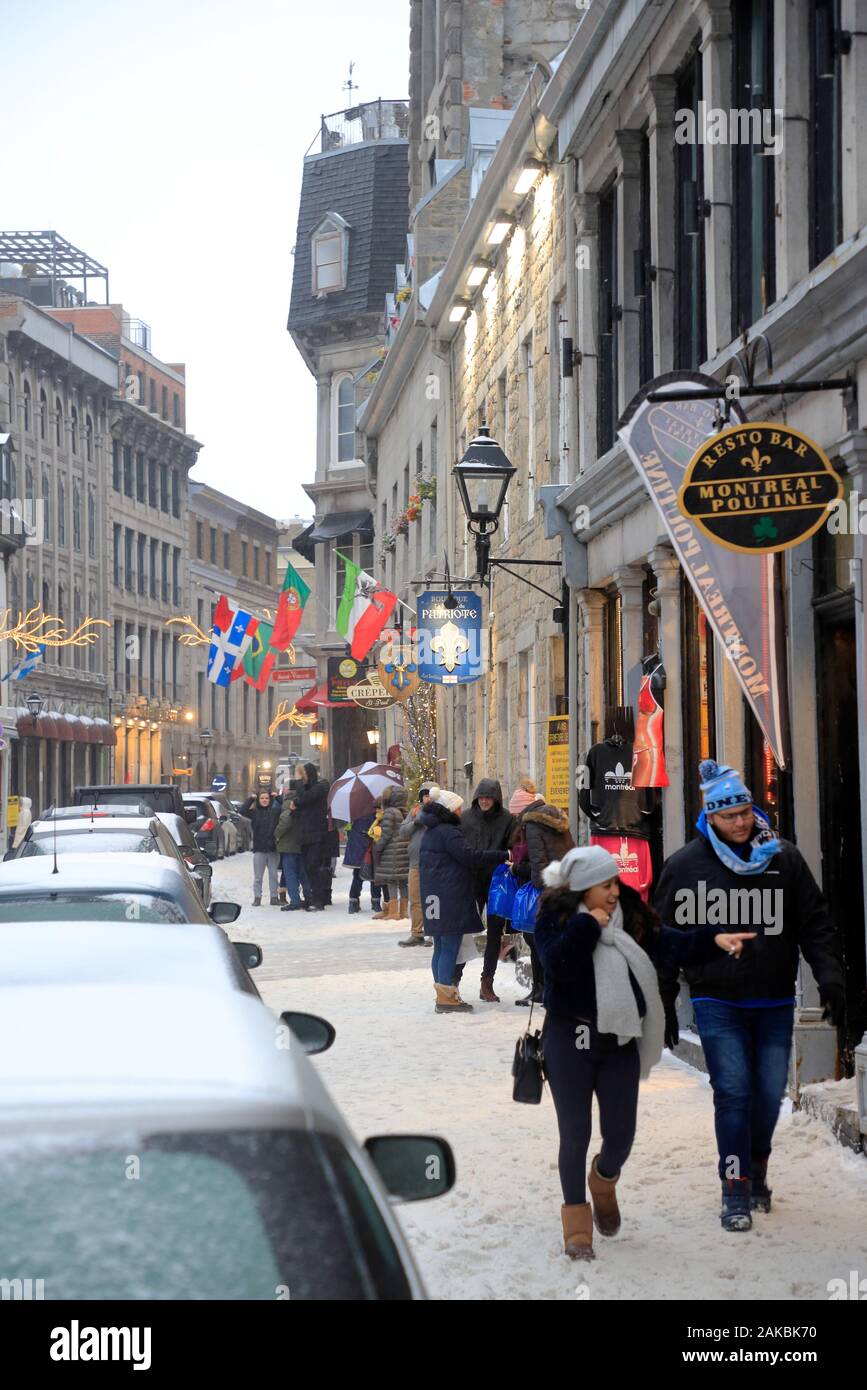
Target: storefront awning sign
x,y
449,638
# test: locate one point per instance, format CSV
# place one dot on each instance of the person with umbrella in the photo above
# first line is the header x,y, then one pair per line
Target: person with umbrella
x,y
354,798
357,845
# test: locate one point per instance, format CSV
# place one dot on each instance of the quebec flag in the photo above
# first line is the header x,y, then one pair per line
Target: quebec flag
x,y
231,636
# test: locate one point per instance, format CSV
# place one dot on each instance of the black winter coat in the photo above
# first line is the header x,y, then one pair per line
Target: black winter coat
x,y
548,838
768,965
448,867
264,821
312,803
487,829
566,939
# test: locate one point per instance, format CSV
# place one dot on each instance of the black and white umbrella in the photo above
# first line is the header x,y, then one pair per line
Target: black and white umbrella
x,y
354,793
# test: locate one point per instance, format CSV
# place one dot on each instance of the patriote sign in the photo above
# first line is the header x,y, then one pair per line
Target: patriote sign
x,y
758,488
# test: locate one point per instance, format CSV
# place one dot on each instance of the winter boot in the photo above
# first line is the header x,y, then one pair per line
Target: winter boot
x,y
578,1231
393,914
534,997
735,1213
381,915
412,940
281,894
403,909
275,900
760,1196
487,990
449,1001
354,906
257,902
606,1214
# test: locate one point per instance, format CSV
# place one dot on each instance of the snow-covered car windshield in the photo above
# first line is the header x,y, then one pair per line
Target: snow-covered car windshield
x,y
234,1215
84,841
89,906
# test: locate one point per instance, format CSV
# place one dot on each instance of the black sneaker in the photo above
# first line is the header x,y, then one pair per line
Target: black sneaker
x,y
735,1212
760,1195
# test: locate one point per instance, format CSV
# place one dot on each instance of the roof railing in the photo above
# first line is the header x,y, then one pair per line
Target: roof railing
x,y
383,119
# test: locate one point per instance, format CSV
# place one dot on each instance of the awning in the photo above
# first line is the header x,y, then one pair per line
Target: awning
x,y
45,727
332,528
24,725
65,728
63,724
315,699
106,733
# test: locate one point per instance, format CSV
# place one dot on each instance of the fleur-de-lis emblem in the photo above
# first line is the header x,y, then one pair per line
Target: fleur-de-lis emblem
x,y
451,645
755,460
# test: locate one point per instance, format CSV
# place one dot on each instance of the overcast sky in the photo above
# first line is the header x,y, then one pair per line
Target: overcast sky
x,y
166,139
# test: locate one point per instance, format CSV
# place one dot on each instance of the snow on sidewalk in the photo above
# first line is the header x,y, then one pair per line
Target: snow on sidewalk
x,y
398,1066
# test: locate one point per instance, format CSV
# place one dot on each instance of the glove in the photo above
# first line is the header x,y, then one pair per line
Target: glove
x,y
833,998
672,1032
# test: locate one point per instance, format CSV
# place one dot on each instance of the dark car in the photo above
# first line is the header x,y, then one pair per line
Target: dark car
x,y
204,819
159,796
195,858
243,825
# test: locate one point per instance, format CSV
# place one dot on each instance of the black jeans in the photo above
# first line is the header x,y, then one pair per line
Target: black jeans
x,y
356,886
581,1061
318,869
494,938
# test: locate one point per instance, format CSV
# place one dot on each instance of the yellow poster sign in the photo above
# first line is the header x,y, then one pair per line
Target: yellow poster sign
x,y
557,762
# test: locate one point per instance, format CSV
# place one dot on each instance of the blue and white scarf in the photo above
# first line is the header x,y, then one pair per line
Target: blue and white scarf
x,y
763,846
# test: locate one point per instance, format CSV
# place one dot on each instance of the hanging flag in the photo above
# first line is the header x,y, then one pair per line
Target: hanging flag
x,y
232,634
258,661
27,664
290,606
364,610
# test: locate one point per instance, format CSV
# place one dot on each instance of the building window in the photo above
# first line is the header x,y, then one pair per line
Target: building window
x,y
164,487
213,551
73,418
142,555
27,405
58,422
227,551
152,400
176,576
127,471
176,493
527,349
117,566
643,261
255,562
329,255
76,517
128,558
61,512
752,172
152,482
200,541
244,558
46,507
164,402
155,561
164,571
139,477
267,567
176,409
613,649
608,316
825,166
43,414
28,483
115,465
690,343
88,439
344,420
91,523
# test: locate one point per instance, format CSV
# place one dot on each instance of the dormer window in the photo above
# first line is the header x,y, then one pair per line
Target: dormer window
x,y
330,255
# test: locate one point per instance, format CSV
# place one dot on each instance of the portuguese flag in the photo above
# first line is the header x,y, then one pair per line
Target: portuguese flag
x,y
258,659
290,606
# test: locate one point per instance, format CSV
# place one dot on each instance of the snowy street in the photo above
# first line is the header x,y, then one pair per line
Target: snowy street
x,y
397,1066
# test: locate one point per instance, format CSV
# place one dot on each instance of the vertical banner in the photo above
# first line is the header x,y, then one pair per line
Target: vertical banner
x,y
449,637
557,762
740,594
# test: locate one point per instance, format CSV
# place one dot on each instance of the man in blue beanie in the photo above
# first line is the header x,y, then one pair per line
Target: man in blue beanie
x,y
739,875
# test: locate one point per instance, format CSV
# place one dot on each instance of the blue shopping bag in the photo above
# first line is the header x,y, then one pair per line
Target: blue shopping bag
x,y
501,894
524,908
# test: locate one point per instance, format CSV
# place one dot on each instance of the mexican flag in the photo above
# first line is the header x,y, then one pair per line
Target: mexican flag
x,y
290,606
364,610
258,659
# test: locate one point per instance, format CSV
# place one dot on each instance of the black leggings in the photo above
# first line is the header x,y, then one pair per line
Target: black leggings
x,y
575,1073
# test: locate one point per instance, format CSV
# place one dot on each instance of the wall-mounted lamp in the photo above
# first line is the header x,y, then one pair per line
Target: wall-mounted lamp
x,y
500,228
373,737
530,172
317,738
458,311
478,274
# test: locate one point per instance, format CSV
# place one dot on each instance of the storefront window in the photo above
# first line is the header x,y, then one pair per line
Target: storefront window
x,y
613,650
699,698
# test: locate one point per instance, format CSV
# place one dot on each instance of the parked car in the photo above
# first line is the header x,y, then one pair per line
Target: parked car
x,y
254,1185
160,796
205,823
195,858
96,834
244,826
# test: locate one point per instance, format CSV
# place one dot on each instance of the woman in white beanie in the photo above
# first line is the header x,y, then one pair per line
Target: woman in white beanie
x,y
600,946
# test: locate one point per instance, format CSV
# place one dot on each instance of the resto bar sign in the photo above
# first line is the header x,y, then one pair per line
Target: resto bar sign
x,y
758,487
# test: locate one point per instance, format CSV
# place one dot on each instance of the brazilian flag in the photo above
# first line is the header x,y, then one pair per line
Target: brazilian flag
x,y
258,659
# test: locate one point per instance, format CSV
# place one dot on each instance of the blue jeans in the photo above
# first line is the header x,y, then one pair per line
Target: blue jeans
x,y
747,1053
296,878
444,957
356,886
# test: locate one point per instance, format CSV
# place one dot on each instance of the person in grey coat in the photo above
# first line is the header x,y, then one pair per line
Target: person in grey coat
x,y
391,854
413,831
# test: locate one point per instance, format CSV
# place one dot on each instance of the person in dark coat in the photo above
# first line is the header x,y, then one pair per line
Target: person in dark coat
x,y
488,825
391,854
737,872
357,844
541,837
413,832
264,813
309,796
448,869
289,850
601,947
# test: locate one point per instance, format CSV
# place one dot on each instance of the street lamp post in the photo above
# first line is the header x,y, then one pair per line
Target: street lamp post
x,y
205,737
483,476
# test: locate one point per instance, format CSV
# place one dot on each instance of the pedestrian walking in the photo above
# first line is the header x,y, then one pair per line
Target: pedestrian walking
x,y
391,854
412,830
25,816
294,873
448,867
357,844
264,813
309,796
488,825
744,1010
601,946
541,837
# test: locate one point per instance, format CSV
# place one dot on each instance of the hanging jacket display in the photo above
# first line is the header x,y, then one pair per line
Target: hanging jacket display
x,y
609,799
648,750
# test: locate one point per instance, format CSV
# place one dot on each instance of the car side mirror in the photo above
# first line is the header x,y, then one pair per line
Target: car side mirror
x,y
314,1034
249,953
413,1167
224,913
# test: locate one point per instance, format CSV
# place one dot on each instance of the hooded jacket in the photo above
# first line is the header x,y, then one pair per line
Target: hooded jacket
x,y
312,803
548,837
487,829
448,867
264,821
391,850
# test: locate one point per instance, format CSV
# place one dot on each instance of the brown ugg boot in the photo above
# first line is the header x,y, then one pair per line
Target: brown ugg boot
x,y
578,1231
449,1001
606,1213
382,914
487,990
403,910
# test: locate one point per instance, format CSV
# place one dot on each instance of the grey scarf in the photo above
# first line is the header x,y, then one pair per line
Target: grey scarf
x,y
615,956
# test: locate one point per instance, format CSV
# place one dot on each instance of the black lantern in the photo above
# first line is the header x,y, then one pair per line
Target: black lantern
x,y
483,476
205,736
35,705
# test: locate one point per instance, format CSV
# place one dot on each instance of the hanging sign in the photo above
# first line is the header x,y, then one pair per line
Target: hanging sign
x,y
758,488
343,672
301,674
397,670
557,761
450,639
371,693
739,593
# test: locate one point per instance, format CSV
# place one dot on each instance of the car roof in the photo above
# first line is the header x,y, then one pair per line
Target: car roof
x,y
150,1052
112,823
153,873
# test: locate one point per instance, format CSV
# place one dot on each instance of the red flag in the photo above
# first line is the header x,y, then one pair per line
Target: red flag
x,y
372,621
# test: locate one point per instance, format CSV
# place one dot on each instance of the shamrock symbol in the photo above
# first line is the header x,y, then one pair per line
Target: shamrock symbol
x,y
765,530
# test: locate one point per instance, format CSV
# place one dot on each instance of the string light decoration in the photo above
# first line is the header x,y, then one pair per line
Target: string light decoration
x,y
194,637
36,628
419,750
288,714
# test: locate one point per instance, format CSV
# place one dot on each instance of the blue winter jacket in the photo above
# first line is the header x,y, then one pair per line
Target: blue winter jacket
x,y
448,866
